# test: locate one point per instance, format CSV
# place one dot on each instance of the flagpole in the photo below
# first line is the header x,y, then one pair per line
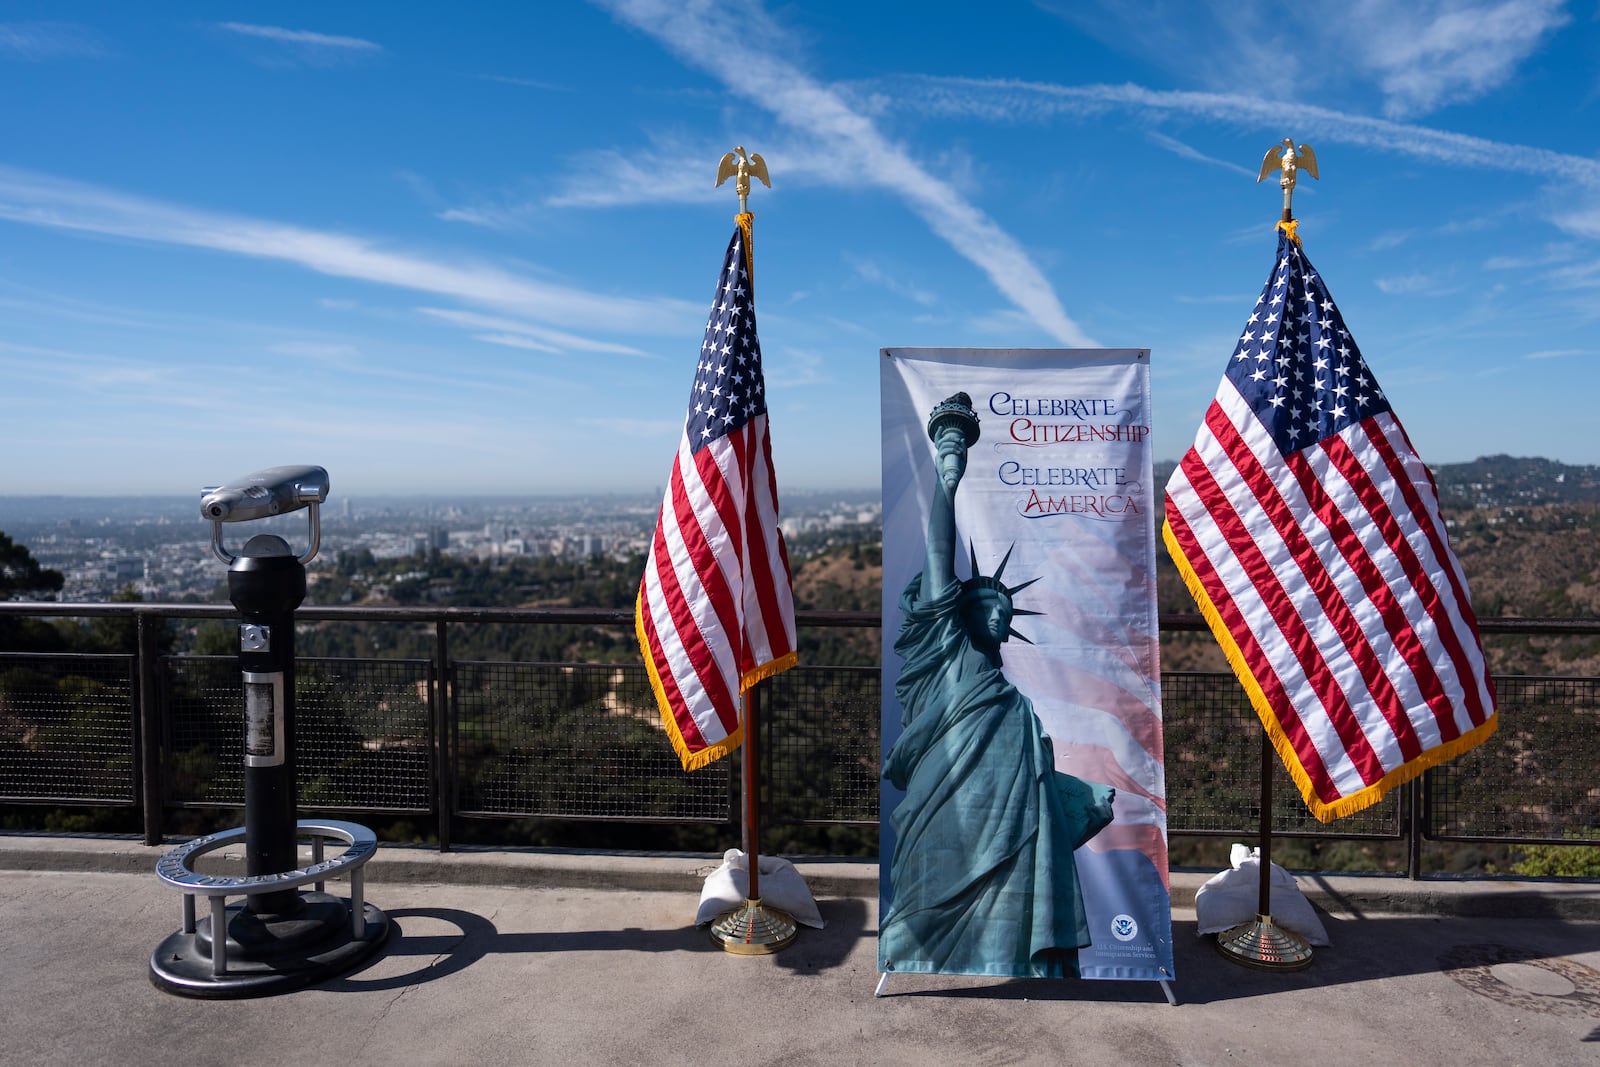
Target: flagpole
x,y
1261,943
752,792
753,928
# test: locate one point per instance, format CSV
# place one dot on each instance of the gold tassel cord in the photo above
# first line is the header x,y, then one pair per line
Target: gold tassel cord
x,y
746,220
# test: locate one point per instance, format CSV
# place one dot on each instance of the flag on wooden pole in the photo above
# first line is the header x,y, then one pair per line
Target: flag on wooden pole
x,y
1309,532
715,612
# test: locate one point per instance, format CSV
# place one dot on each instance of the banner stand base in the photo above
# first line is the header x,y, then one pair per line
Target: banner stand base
x,y
1166,987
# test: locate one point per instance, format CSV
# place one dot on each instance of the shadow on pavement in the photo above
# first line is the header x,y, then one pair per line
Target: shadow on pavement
x,y
815,951
439,955
1362,950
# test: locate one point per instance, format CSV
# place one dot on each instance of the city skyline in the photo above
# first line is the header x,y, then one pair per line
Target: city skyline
x,y
161,547
472,253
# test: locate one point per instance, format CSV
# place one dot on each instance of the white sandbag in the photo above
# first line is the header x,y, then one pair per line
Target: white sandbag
x,y
781,888
1234,897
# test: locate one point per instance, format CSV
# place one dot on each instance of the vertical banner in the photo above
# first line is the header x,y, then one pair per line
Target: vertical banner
x,y
1023,825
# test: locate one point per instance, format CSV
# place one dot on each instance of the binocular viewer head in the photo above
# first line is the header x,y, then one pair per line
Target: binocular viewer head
x,y
273,491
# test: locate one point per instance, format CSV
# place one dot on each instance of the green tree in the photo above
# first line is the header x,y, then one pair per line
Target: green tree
x,y
20,573
1559,861
115,633
21,577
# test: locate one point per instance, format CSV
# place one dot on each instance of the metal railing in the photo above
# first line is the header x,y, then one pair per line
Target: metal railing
x,y
449,740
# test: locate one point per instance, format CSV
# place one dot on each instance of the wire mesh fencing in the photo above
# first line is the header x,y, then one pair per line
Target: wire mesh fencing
x,y
572,740
363,733
1213,767
819,745
67,728
583,741
1536,778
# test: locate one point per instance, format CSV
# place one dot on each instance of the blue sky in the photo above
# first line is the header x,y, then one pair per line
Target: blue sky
x,y
470,248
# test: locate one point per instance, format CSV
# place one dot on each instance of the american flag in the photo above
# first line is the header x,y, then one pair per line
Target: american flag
x,y
715,612
1309,532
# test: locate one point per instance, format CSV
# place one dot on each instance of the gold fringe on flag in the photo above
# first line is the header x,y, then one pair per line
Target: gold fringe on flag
x,y
1325,812
692,761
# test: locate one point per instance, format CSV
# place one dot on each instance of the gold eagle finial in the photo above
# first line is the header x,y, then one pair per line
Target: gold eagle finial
x,y
1288,160
741,167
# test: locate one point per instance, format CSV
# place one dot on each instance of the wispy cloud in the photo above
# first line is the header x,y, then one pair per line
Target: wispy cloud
x,y
42,200
320,351
37,41
490,216
166,321
749,52
1393,239
1576,276
1557,353
870,271
1178,148
1010,100
301,38
789,367
525,83
669,171
1546,257
1414,285
1582,217
93,376
675,169
1233,299
1419,54
511,340
57,306
647,429
1427,55
548,340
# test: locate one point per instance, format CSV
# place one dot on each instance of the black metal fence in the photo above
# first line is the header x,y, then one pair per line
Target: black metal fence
x,y
449,740
67,728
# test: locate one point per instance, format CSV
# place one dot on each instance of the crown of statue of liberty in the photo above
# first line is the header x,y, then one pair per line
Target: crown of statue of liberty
x,y
979,580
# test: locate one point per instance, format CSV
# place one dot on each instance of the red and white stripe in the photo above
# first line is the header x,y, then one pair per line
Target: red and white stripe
x,y
715,611
1330,571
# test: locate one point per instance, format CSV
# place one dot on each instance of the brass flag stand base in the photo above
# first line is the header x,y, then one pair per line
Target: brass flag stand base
x,y
1262,944
753,929
1265,946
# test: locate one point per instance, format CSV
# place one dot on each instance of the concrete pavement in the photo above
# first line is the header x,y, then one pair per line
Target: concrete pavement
x,y
559,957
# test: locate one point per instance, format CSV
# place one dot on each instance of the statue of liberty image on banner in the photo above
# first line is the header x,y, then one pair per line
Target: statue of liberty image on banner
x,y
1023,818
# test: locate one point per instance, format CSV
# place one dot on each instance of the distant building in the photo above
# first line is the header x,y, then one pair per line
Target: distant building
x,y
126,569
